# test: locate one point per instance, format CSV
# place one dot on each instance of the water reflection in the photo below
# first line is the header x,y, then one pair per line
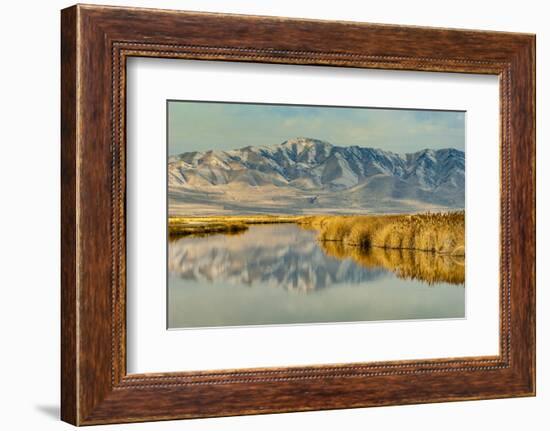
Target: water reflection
x,y
407,264
276,255
261,277
289,257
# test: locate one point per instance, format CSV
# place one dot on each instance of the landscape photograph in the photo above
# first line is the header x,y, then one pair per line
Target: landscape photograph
x,y
300,214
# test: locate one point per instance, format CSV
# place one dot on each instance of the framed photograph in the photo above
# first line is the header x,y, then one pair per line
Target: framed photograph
x,y
263,214
343,233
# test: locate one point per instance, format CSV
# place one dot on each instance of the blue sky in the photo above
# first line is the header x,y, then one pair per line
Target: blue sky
x,y
201,126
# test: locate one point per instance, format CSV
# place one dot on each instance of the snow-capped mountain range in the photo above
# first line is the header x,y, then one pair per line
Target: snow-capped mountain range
x,y
305,175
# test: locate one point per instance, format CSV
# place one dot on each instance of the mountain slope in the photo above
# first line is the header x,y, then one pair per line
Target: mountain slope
x,y
304,175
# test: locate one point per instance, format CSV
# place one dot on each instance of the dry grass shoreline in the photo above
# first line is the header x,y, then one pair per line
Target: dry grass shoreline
x,y
441,233
182,229
181,226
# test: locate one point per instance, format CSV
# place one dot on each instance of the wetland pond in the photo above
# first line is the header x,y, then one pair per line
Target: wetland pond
x,y
275,274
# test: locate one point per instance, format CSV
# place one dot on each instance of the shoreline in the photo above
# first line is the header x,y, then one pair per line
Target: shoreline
x,y
439,233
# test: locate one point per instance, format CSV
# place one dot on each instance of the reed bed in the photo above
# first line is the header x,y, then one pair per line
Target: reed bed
x,y
441,233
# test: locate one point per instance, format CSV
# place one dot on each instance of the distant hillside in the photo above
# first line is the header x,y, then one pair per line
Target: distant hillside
x,y
304,175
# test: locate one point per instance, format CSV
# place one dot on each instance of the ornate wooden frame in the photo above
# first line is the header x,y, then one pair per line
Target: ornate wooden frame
x,y
95,43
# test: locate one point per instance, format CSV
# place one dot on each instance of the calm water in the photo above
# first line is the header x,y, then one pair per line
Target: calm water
x,y
280,274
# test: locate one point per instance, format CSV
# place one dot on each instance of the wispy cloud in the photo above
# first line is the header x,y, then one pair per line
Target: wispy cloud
x,y
199,126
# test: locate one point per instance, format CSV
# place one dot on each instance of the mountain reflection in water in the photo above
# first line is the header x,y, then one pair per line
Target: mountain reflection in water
x,y
290,257
261,277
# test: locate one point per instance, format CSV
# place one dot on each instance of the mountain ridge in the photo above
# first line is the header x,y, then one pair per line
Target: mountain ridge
x,y
313,175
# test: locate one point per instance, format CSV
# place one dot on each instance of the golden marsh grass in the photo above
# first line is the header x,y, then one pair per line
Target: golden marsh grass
x,y
441,233
181,226
182,229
